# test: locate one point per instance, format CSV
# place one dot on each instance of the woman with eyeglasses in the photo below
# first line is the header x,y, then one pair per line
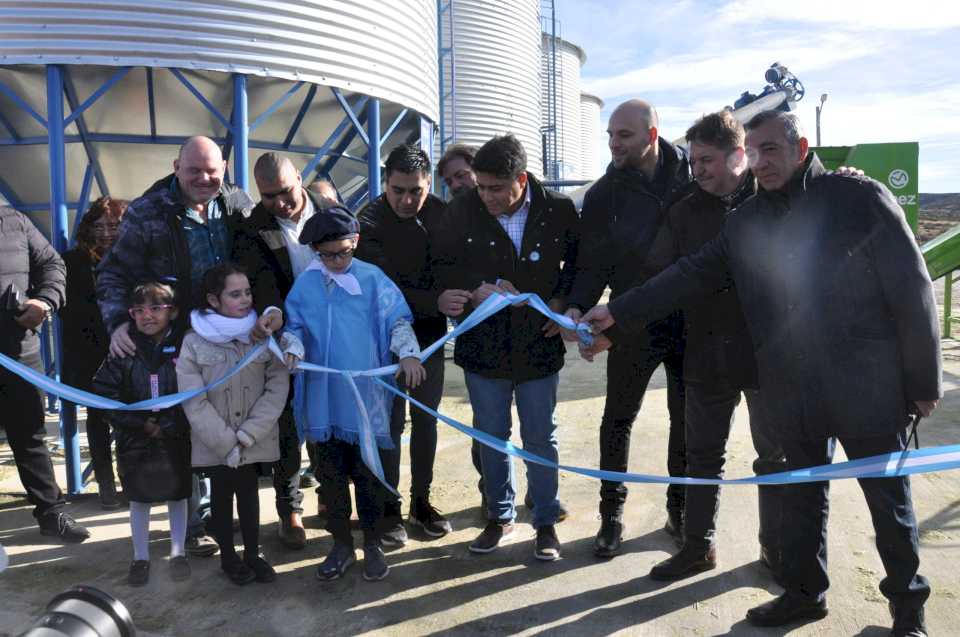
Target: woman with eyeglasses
x,y
85,340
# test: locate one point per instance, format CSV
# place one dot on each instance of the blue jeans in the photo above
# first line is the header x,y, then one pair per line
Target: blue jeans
x,y
491,399
198,507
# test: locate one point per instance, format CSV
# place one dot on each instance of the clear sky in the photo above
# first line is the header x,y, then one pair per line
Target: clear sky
x,y
891,69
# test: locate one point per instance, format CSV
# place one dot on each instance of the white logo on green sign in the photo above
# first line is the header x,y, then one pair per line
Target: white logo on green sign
x,y
898,178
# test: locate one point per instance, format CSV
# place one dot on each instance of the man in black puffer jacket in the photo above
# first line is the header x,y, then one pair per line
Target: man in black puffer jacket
x,y
32,285
621,215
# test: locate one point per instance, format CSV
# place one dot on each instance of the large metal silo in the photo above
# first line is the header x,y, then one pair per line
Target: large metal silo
x,y
495,75
591,128
566,59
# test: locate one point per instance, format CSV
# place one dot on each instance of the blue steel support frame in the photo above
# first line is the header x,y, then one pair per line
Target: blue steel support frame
x,y
324,150
373,149
77,117
58,218
241,133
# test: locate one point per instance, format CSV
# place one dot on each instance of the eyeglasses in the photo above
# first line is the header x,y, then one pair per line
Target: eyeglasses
x,y
107,228
334,256
140,310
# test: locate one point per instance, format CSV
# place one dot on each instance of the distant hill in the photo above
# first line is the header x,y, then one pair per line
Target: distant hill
x,y
938,213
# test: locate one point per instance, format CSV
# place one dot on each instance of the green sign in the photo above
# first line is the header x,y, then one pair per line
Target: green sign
x,y
894,165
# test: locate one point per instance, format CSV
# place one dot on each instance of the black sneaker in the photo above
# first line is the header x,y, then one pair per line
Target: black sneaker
x,y
201,546
308,480
179,568
394,533
493,534
261,568
424,515
139,573
61,525
374,563
340,559
610,537
237,570
547,545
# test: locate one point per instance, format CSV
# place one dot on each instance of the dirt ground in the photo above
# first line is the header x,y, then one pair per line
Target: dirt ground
x,y
438,587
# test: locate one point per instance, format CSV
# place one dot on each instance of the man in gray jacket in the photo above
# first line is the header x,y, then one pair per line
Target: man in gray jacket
x,y
844,324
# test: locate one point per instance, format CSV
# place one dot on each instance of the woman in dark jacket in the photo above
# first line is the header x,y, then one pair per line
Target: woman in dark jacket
x,y
85,339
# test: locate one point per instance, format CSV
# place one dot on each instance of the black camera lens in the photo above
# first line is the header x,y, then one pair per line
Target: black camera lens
x,y
83,611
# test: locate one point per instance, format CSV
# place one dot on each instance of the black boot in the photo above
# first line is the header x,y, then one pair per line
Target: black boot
x,y
787,609
610,537
689,561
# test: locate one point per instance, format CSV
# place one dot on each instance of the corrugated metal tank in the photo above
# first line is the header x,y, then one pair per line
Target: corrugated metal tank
x,y
496,49
590,135
383,49
569,59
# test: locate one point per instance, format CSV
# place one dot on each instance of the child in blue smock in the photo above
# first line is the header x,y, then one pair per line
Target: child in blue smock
x,y
349,316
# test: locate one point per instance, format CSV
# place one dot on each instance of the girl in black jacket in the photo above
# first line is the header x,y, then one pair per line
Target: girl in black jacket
x,y
153,447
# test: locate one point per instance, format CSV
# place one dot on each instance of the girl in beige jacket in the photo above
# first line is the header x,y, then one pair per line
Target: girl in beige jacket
x,y
233,427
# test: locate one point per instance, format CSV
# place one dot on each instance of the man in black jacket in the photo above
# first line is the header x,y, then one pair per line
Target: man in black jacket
x,y
718,361
32,286
509,235
844,326
397,231
621,215
267,245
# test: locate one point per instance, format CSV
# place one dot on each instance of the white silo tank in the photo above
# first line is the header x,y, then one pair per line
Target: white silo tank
x,y
568,59
496,49
591,135
386,50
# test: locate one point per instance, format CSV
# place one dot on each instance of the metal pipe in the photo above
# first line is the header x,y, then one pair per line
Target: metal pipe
x,y
373,148
241,133
59,221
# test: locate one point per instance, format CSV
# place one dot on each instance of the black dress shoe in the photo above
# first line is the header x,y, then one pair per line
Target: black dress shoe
x,y
610,537
60,525
907,622
787,609
689,561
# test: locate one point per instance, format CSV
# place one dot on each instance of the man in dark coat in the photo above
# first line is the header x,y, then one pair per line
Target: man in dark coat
x,y
397,231
620,218
844,325
509,235
32,286
718,361
267,246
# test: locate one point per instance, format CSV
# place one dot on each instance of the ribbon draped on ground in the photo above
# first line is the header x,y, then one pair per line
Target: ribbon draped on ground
x,y
899,463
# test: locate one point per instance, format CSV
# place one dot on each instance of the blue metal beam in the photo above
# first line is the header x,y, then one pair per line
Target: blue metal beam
x,y
304,107
10,129
9,92
373,150
77,111
151,103
11,196
324,150
59,221
81,205
241,133
349,111
273,107
84,133
203,100
393,127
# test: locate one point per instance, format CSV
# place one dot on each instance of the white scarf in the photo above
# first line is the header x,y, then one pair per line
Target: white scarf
x,y
218,328
345,280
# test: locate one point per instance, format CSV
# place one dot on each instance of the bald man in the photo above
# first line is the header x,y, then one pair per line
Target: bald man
x,y
621,214
179,228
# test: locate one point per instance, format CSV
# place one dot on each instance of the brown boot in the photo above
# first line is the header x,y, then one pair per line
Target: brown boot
x,y
689,561
292,534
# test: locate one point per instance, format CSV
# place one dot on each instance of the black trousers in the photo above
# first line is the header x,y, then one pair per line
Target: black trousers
x,y
709,417
629,369
100,442
423,437
286,470
225,484
806,507
21,406
339,463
